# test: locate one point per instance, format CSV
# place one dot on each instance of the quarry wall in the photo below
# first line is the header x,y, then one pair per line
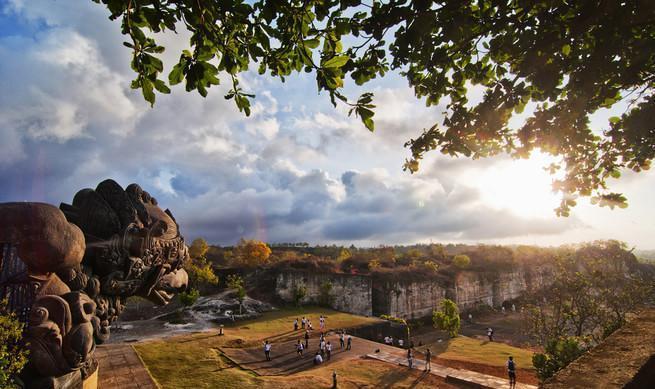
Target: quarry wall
x,y
349,293
364,295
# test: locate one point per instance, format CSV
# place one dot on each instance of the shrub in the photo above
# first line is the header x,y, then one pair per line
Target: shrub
x,y
234,281
431,266
299,293
326,298
461,261
13,355
373,264
189,297
558,354
447,318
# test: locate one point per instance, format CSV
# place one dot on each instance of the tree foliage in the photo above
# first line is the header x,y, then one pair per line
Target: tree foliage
x,y
558,353
189,297
198,267
462,261
235,281
251,253
299,292
447,317
198,248
563,60
326,296
13,354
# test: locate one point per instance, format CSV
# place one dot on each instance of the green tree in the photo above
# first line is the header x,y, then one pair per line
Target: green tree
x,y
462,261
563,60
13,355
198,267
198,248
235,282
326,298
299,293
447,317
559,353
189,297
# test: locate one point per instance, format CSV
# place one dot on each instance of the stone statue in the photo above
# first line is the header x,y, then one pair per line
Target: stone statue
x,y
67,274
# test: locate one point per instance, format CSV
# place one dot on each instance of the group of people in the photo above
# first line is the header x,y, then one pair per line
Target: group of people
x,y
324,346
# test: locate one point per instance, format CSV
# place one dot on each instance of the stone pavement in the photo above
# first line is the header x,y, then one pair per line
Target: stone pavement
x,y
450,374
121,367
285,360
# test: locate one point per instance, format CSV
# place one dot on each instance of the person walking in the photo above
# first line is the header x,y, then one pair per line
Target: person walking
x,y
295,325
334,379
511,372
328,349
299,348
490,334
321,346
303,322
428,360
410,358
267,350
349,343
342,339
306,338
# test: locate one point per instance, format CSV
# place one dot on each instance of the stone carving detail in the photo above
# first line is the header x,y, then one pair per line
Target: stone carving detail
x,y
69,273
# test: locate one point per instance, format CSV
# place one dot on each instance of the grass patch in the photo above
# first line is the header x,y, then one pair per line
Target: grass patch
x,y
194,361
463,348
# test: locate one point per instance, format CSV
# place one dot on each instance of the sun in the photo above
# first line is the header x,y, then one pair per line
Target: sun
x,y
521,186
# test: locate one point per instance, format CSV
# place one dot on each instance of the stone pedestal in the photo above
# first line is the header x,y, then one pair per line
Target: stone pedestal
x,y
91,382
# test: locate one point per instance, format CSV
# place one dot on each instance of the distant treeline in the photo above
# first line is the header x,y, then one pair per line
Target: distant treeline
x,y
414,261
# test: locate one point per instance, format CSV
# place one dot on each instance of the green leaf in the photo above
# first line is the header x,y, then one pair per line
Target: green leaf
x,y
312,43
148,93
566,50
161,87
336,62
177,74
614,119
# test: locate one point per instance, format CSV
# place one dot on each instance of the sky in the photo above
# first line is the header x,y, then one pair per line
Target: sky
x,y
296,170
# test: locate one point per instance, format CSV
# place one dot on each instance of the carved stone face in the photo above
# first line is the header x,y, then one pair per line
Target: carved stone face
x,y
133,247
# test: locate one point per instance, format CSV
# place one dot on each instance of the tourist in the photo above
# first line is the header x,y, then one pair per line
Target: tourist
x,y
391,341
321,322
349,344
401,343
470,318
306,338
321,346
318,359
428,360
295,325
511,371
309,324
299,348
386,340
410,358
267,350
490,334
334,379
502,309
513,308
328,349
342,339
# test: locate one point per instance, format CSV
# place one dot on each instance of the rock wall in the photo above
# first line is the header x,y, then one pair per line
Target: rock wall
x,y
477,288
349,293
407,300
412,299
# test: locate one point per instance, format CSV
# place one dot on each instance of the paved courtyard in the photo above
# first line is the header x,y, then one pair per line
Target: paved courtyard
x,y
121,367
